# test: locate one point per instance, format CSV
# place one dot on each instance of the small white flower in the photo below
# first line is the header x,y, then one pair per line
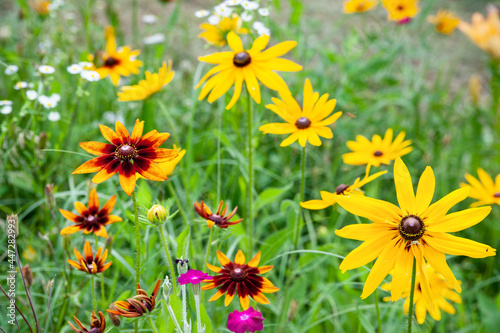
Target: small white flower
x,y
49,102
263,11
31,94
261,28
149,18
223,10
232,2
46,69
5,102
214,19
154,39
21,85
85,64
69,16
11,69
246,17
74,69
56,97
250,5
6,109
91,76
201,13
54,116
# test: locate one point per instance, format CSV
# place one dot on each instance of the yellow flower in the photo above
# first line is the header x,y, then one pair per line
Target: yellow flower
x,y
118,62
400,10
444,22
378,150
484,32
414,230
42,7
30,253
152,84
216,34
330,199
359,6
169,166
306,124
441,292
251,66
484,189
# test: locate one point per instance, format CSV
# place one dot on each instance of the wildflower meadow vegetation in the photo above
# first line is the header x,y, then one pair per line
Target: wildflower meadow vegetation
x,y
243,166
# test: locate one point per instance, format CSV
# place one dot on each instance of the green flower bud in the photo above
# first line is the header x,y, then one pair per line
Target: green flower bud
x,y
157,214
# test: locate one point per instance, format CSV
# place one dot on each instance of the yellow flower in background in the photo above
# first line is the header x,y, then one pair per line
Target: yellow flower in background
x,y
216,34
359,6
484,189
330,199
441,294
42,7
444,21
484,32
400,10
169,166
251,66
378,151
306,124
414,230
30,253
153,83
118,62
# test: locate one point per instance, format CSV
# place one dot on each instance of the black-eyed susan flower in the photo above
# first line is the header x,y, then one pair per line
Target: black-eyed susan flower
x,y
220,218
97,325
441,293
138,305
485,190
330,199
126,155
378,151
401,10
88,263
444,21
91,219
308,123
216,34
242,278
251,66
414,230
484,32
169,166
117,62
359,6
153,83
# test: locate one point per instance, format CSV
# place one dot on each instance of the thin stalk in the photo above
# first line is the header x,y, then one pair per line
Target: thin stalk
x,y
178,202
167,253
198,312
174,318
250,174
379,321
19,311
412,292
102,276
135,23
137,247
94,303
28,294
209,245
219,155
153,327
301,199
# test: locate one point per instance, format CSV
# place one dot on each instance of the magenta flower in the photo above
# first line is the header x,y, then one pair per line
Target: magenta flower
x,y
194,277
249,320
404,21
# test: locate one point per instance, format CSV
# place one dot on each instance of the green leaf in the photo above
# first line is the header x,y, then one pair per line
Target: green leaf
x,y
183,243
270,195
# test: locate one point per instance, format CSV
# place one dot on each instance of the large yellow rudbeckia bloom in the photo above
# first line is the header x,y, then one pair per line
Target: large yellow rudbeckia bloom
x,y
153,83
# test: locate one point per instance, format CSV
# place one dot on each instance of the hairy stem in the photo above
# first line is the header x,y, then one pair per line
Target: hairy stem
x,y
169,257
412,292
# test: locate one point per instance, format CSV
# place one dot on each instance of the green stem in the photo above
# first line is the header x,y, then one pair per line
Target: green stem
x,y
178,202
153,327
219,155
301,199
135,23
137,248
379,321
102,276
169,257
209,245
198,312
412,292
249,212
94,304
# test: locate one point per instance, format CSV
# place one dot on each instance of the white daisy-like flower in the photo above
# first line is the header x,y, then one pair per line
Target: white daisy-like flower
x,y
90,76
232,2
49,102
250,5
11,69
223,10
74,69
149,18
154,39
31,94
246,17
21,85
5,102
214,19
46,69
54,116
263,11
201,13
6,109
85,64
261,28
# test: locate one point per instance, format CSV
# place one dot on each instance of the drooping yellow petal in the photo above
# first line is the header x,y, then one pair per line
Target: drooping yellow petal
x,y
458,246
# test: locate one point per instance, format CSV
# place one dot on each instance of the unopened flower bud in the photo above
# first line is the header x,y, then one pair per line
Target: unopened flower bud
x,y
182,265
167,289
50,201
157,214
28,276
114,318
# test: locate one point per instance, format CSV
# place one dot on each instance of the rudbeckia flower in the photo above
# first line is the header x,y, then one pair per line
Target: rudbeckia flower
x,y
303,124
251,66
216,34
441,294
444,22
378,151
138,305
117,62
359,6
484,32
330,199
484,189
401,10
414,230
97,325
169,166
242,278
91,219
153,83
127,154
219,219
89,264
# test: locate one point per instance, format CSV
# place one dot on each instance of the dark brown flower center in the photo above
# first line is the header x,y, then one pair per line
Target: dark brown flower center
x,y
111,62
242,59
378,153
217,219
238,274
341,188
497,195
411,228
125,152
91,219
302,123
400,7
95,330
89,267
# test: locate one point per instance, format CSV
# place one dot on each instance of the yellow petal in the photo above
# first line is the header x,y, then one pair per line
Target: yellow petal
x,y
458,246
372,209
460,220
439,209
437,260
425,190
240,258
404,187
